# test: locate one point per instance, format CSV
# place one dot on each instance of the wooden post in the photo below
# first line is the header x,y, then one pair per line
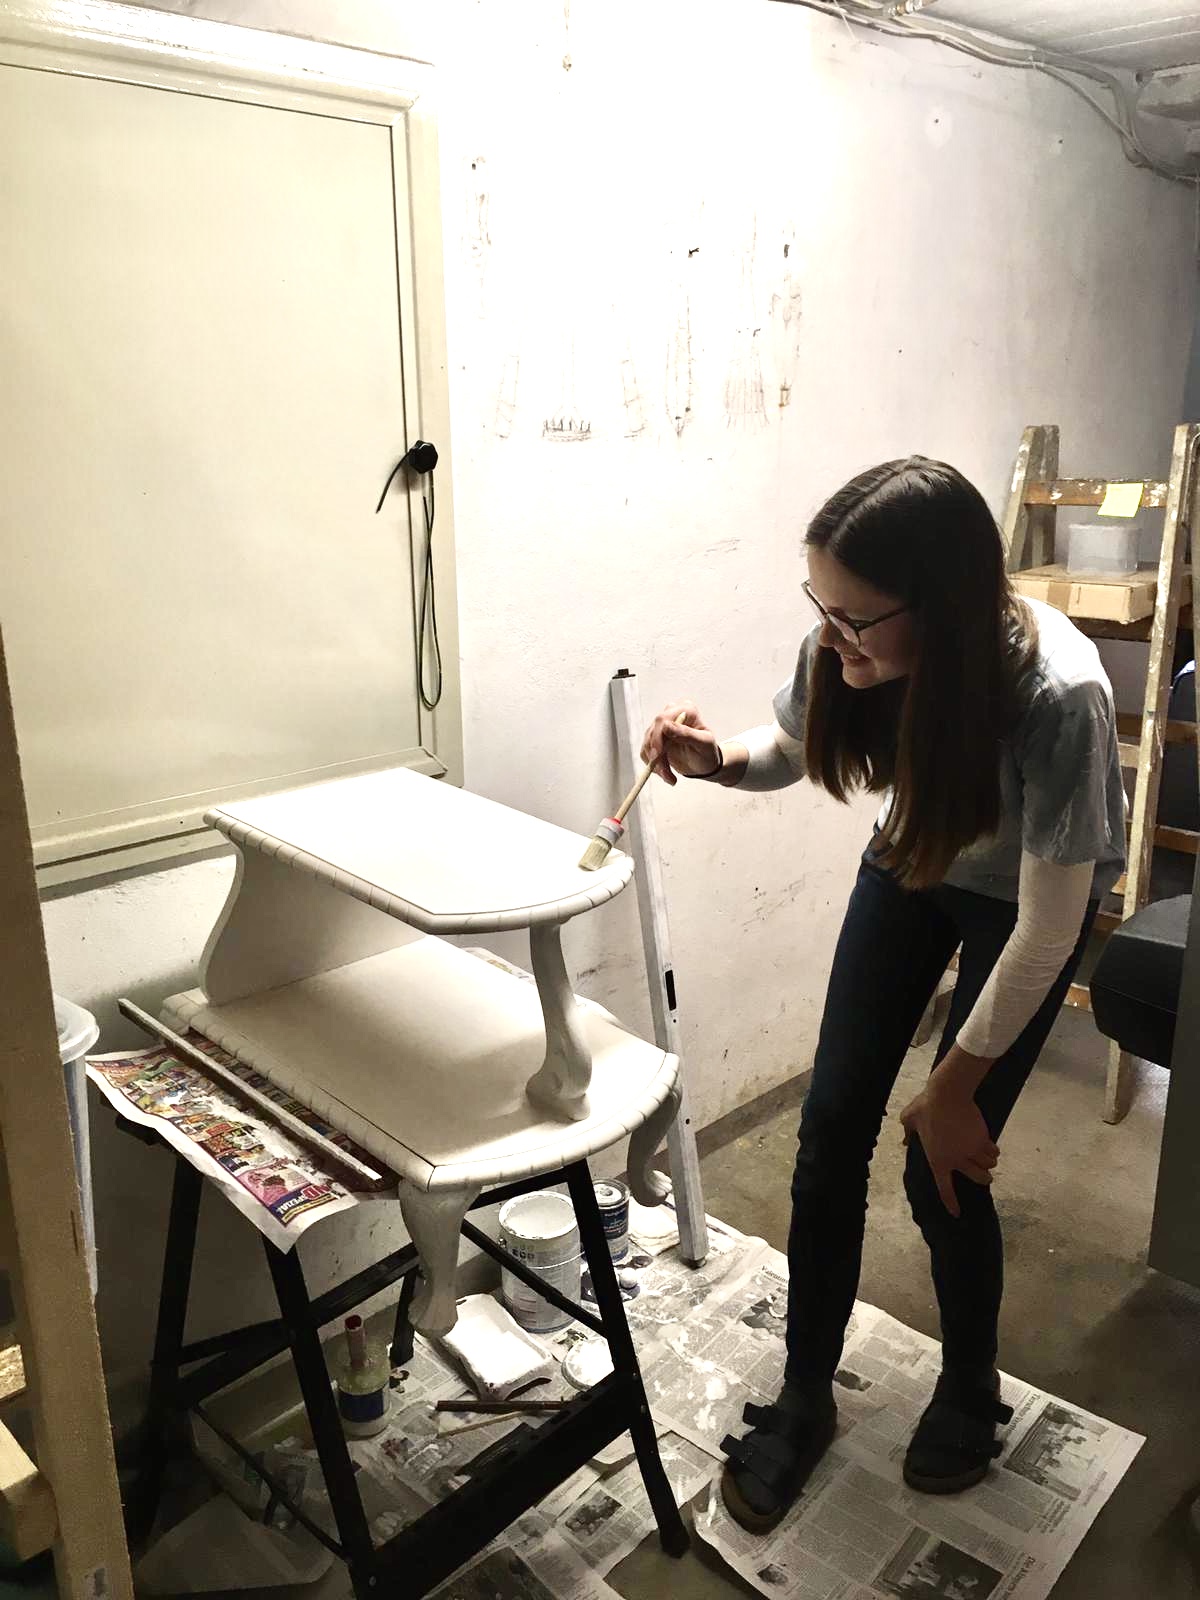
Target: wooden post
x,y
56,1320
1025,525
1180,509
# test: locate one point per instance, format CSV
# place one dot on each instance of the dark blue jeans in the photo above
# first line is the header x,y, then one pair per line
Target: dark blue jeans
x,y
894,946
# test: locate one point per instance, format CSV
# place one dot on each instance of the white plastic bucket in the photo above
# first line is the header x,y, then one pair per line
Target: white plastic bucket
x,y
77,1034
540,1230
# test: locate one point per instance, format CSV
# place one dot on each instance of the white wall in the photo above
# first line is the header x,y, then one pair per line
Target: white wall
x,y
867,248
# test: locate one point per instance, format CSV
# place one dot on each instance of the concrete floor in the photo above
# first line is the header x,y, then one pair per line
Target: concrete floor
x,y
1084,1316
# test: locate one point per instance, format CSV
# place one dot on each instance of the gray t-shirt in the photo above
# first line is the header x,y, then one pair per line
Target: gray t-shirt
x,y
1061,795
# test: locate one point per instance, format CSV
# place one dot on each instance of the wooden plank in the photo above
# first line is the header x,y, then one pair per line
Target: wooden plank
x,y
28,1519
1108,921
1136,632
1089,492
1129,754
1180,839
56,1320
1129,723
1123,600
1028,532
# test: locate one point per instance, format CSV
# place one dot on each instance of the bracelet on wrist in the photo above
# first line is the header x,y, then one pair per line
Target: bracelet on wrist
x,y
703,777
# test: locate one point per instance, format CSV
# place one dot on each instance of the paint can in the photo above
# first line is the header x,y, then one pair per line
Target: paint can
x,y
612,1197
363,1383
541,1232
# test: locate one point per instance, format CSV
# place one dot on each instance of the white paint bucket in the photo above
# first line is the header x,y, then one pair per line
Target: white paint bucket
x,y
540,1231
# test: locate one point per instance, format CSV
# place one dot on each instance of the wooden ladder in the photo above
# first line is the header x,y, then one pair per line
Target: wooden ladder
x,y
1029,527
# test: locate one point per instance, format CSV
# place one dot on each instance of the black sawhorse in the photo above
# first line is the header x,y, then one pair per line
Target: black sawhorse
x,y
518,1473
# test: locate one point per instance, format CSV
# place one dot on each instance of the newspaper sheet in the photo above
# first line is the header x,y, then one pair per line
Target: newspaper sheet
x,y
545,1568
280,1184
858,1532
611,1516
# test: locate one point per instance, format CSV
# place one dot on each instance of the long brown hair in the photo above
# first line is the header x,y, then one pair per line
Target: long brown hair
x,y
918,530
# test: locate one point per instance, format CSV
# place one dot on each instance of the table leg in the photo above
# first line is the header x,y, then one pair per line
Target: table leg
x,y
434,1222
672,1533
561,1083
648,1185
141,1500
313,1375
402,1333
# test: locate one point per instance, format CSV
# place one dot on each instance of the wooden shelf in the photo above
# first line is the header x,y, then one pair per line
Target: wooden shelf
x,y
422,1054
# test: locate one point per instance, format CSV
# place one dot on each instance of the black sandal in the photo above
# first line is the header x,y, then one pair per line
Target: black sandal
x,y
767,1470
955,1441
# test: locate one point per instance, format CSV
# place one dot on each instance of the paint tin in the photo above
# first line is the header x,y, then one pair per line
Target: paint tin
x,y
540,1230
613,1199
363,1383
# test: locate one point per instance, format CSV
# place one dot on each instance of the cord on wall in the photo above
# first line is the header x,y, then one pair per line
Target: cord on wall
x,y
896,19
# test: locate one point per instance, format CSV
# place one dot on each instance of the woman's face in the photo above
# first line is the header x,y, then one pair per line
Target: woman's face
x,y
883,652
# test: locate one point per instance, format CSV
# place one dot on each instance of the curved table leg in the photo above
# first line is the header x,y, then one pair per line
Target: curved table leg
x,y
433,1222
647,1184
561,1083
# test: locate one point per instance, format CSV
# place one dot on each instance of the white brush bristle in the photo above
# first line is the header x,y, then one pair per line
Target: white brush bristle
x,y
606,835
595,855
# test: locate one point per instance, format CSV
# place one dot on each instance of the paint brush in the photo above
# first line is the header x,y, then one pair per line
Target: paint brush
x,y
611,829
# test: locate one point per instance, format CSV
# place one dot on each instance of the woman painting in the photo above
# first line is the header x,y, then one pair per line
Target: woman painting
x,y
987,724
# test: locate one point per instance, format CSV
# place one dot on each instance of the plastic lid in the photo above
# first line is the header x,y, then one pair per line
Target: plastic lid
x,y
77,1030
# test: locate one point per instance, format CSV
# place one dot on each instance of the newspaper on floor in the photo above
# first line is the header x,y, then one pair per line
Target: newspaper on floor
x,y
611,1516
858,1532
280,1184
545,1568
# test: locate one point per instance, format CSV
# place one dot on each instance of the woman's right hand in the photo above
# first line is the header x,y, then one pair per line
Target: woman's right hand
x,y
680,741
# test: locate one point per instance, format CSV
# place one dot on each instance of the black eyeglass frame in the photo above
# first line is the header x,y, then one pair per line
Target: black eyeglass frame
x,y
857,628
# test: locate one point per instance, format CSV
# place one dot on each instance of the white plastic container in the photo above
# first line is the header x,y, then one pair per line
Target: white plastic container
x,y
540,1230
1105,549
77,1034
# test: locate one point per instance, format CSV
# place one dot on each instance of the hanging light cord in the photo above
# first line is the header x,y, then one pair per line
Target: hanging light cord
x,y
429,624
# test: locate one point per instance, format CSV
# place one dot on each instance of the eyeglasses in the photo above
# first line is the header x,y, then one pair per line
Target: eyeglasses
x,y
851,628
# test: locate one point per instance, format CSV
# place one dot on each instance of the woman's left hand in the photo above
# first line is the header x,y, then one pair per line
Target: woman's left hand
x,y
954,1137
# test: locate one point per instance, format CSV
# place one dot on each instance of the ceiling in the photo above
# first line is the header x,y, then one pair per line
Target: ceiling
x,y
1139,35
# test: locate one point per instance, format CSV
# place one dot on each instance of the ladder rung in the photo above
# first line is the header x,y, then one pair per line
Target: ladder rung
x,y
1119,887
1130,722
1087,492
1181,839
1129,754
1108,921
1139,631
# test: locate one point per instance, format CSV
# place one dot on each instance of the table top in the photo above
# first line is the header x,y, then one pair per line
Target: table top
x,y
434,856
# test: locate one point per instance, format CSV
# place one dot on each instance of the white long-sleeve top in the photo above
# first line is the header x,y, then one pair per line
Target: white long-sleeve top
x,y
1051,904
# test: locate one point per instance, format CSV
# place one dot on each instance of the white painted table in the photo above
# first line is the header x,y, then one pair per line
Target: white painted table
x,y
328,972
